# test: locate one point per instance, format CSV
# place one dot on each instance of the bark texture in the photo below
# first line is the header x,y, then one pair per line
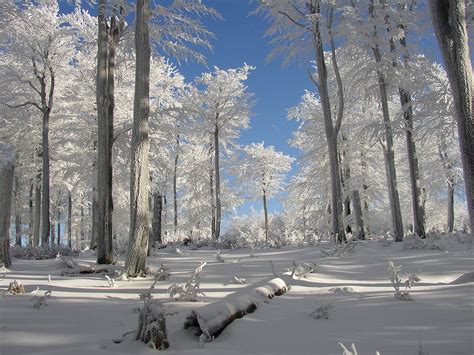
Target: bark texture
x,y
157,218
7,172
140,175
449,22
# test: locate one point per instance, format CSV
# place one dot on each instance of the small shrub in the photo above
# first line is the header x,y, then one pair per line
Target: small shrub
x,y
191,289
397,283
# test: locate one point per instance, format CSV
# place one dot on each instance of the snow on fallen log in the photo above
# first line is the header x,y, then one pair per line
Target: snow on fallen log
x,y
212,319
73,268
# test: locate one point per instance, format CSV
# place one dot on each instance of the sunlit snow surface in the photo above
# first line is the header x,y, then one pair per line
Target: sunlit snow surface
x,y
84,314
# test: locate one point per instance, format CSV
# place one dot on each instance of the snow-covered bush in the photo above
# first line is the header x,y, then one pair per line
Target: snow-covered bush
x,y
322,311
397,283
191,289
414,242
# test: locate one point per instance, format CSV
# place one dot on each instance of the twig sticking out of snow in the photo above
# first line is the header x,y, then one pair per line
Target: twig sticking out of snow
x,y
191,289
163,273
110,281
397,283
353,350
41,300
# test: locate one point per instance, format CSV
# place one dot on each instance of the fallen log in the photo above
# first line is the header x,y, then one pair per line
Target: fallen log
x,y
73,269
212,319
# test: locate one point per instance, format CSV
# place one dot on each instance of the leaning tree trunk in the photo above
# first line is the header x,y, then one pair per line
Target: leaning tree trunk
x,y
218,207
449,22
139,171
7,172
265,211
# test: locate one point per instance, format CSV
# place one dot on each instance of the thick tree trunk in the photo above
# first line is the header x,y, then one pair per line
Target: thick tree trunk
x,y
265,212
359,232
103,253
331,131
218,215
175,186
37,213
449,22
95,222
69,220
213,199
417,204
7,172
113,39
157,217
139,177
45,220
414,172
18,227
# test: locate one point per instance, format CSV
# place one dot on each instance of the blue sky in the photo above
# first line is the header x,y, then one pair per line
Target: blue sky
x,y
240,39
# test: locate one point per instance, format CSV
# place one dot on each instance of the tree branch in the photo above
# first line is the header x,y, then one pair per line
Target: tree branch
x,y
28,103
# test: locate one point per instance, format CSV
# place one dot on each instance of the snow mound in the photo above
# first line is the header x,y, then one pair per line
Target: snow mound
x,y
464,278
343,290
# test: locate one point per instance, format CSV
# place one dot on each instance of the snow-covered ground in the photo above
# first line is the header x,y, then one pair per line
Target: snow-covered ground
x,y
84,314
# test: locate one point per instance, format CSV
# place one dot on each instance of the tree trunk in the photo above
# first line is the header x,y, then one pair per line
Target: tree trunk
x,y
331,131
103,255
450,206
217,180
69,220
45,221
265,211
59,227
359,232
37,212
406,105
139,177
157,217
175,186
31,214
211,188
18,227
449,22
82,233
389,154
7,172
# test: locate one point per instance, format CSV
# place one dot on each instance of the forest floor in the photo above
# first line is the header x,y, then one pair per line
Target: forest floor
x,y
84,315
